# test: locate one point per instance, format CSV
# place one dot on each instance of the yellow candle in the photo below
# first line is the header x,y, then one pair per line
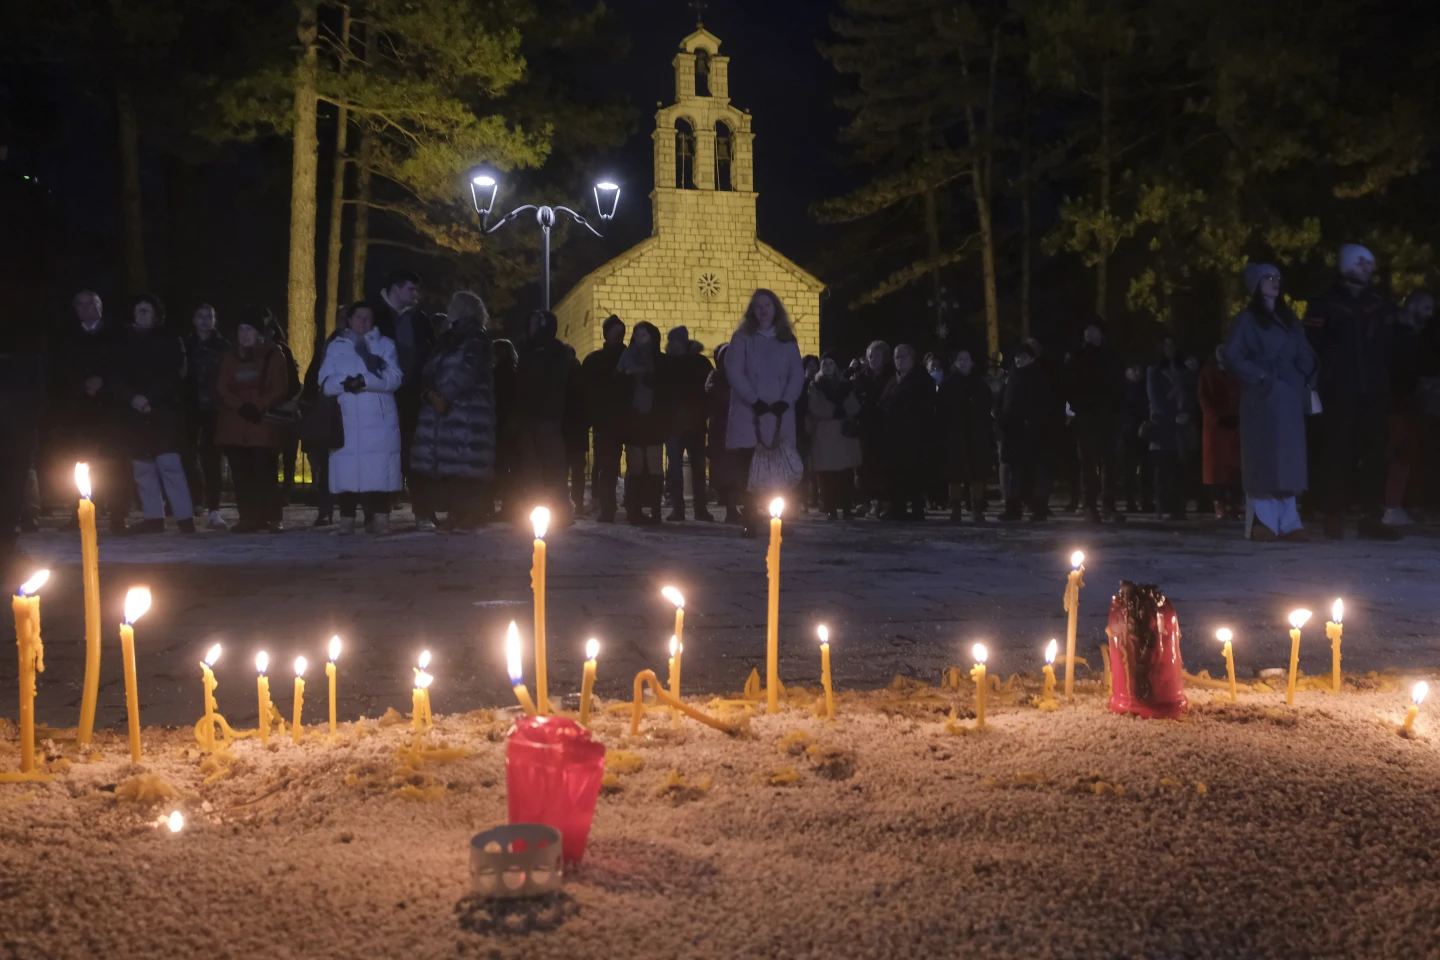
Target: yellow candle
x,y
977,673
330,675
420,713
1224,636
1297,620
648,677
1047,695
26,606
137,601
1072,607
541,519
587,686
517,672
262,686
296,730
675,651
825,672
1417,696
1334,630
424,689
207,733
772,631
90,569
677,598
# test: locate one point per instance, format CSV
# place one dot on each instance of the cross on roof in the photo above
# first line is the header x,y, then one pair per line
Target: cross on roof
x,y
699,7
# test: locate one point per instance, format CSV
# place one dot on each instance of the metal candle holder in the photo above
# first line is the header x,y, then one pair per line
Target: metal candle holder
x,y
516,861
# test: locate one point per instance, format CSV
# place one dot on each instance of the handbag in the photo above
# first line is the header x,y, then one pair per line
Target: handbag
x,y
323,428
285,414
775,467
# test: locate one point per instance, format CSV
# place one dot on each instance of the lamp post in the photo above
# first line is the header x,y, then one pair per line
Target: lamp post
x,y
485,186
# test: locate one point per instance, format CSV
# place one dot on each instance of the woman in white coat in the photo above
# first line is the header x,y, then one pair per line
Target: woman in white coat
x,y
362,369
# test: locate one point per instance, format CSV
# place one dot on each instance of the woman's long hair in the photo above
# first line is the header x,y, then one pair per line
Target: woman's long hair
x,y
466,305
784,332
1267,317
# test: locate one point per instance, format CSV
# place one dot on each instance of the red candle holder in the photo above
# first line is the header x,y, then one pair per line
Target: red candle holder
x,y
1148,673
552,776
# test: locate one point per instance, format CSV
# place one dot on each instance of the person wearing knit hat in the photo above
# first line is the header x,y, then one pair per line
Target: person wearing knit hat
x,y
1254,273
1352,328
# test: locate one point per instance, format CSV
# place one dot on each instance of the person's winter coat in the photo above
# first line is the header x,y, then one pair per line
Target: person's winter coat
x,y
202,369
1352,338
869,387
1028,431
1137,410
762,368
413,335
687,374
151,364
80,422
575,425
370,460
1095,382
1276,367
1171,391
966,410
644,373
604,395
830,405
908,408
455,436
1219,398
247,383
717,398
542,376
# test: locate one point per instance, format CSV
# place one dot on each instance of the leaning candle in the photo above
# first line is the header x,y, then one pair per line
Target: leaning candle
x,y
419,716
825,672
26,606
262,686
517,673
1224,636
207,677
1417,696
296,730
1072,607
137,601
772,630
1297,620
1047,695
540,517
330,675
587,685
1334,631
90,570
977,673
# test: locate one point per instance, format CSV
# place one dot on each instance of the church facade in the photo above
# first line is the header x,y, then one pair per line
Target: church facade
x,y
703,258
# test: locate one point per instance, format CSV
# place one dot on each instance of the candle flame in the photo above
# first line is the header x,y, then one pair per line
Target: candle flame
x,y
674,596
1298,618
137,601
674,645
1224,635
82,479
176,822
1337,612
1051,649
1418,692
212,656
300,666
262,662
824,633
31,586
423,680
512,655
979,652
541,518
1077,559
334,648
592,648
777,507
424,659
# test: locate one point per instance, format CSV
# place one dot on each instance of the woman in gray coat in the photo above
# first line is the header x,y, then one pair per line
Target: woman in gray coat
x,y
1268,353
454,448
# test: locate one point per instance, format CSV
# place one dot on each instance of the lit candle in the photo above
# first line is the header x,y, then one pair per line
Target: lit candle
x,y
675,651
1047,695
90,571
541,518
825,672
26,606
424,689
772,631
296,730
1297,620
517,672
207,734
262,685
675,597
137,601
1334,630
977,673
176,822
330,675
419,716
587,686
1417,696
1072,607
1225,636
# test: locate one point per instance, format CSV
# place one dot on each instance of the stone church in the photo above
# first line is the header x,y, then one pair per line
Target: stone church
x,y
703,259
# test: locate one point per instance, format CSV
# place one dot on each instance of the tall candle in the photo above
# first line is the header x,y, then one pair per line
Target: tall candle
x,y
1417,697
296,729
1297,620
1047,694
424,689
977,673
420,716
207,677
675,651
517,672
1334,630
1224,636
330,675
587,685
90,570
262,687
772,629
26,606
1072,607
137,601
677,598
825,672
541,519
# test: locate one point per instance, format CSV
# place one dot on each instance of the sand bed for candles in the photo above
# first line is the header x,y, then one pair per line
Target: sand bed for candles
x,y
1241,830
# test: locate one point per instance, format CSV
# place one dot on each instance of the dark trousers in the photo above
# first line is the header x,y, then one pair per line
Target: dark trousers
x,y
837,490
576,463
257,488
320,483
407,406
606,470
468,502
289,456
373,502
1139,476
202,457
1026,483
1096,439
542,462
1170,493
691,444
1355,430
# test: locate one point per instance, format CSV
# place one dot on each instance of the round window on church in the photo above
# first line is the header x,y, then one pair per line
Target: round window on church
x,y
709,283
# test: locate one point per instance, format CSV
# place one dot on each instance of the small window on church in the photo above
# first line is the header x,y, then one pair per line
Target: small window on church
x,y
724,156
684,155
702,72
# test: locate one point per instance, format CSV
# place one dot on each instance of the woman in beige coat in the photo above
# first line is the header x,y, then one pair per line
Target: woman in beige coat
x,y
834,437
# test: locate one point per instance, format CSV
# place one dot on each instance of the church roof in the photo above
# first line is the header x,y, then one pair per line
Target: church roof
x,y
701,38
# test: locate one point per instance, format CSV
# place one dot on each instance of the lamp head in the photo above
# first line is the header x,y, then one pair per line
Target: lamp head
x,y
607,199
484,186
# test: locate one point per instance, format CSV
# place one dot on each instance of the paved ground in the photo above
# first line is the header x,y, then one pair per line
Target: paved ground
x,y
898,599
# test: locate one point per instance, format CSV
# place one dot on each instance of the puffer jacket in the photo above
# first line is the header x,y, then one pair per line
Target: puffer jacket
x,y
459,443
259,380
370,460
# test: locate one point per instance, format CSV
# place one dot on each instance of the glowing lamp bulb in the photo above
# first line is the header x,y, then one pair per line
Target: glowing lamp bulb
x,y
262,662
824,634
300,666
777,507
674,596
1051,649
541,518
32,586
212,656
1076,559
334,649
424,659
82,479
607,185
1224,635
1337,612
979,652
512,655
423,680
1298,618
137,601
1419,692
484,181
592,648
176,823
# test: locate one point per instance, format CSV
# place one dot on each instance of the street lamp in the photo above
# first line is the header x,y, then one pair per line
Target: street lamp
x,y
485,186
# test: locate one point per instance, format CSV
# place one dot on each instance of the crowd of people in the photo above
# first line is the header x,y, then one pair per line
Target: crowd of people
x,y
477,427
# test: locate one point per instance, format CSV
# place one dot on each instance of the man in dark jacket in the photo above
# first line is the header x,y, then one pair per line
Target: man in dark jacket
x,y
1028,434
907,409
607,406
1095,390
687,372
540,386
1351,328
1139,483
967,419
576,429
400,319
203,349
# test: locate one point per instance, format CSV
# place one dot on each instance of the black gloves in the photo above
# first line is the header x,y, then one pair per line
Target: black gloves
x,y
354,384
760,407
250,412
779,407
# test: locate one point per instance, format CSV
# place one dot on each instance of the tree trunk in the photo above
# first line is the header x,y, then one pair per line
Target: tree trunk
x,y
932,245
132,215
334,238
303,175
987,261
1102,265
982,170
360,240
1025,240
